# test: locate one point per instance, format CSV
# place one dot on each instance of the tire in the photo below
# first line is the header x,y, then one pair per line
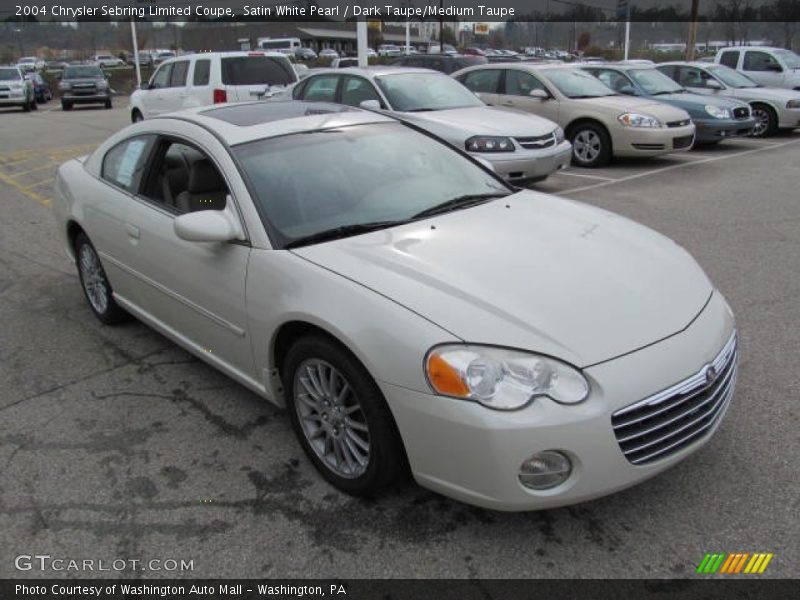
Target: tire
x,y
766,120
26,107
34,106
66,106
136,116
591,145
95,284
313,360
108,103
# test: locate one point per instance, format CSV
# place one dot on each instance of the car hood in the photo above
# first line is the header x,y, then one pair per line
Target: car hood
x,y
697,102
622,104
768,93
83,80
530,271
481,120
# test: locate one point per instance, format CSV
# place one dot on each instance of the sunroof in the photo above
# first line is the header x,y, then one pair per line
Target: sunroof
x,y
255,113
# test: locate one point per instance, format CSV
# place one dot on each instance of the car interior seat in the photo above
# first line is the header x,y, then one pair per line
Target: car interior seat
x,y
206,189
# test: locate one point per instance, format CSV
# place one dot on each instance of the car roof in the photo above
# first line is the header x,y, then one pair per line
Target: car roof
x,y
378,70
750,48
248,121
692,63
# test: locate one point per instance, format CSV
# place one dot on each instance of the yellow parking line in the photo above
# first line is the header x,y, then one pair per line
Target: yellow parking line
x,y
43,200
21,173
38,183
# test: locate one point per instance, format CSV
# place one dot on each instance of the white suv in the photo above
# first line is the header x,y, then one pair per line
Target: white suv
x,y
771,67
106,60
211,78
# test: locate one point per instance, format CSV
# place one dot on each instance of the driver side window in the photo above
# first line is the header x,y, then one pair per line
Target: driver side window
x,y
692,77
616,81
519,83
161,77
759,61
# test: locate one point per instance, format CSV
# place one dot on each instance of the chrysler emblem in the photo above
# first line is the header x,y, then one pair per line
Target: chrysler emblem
x,y
711,375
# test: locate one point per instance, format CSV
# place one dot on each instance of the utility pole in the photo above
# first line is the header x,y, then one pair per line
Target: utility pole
x,y
692,37
136,53
361,40
627,31
441,26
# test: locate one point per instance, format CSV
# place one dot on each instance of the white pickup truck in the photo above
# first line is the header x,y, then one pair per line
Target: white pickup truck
x,y
771,67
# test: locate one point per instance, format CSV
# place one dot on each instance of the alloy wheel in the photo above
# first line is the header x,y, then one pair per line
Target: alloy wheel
x,y
332,418
587,145
93,278
761,117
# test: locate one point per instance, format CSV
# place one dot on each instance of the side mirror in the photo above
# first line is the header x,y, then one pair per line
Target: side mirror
x,y
713,84
209,225
540,94
370,105
627,90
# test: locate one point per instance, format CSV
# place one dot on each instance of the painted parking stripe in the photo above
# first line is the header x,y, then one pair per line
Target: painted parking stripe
x,y
571,174
677,166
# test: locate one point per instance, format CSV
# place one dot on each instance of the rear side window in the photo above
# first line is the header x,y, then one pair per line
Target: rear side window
x,y
202,72
257,70
483,81
730,58
179,71
759,61
321,89
124,163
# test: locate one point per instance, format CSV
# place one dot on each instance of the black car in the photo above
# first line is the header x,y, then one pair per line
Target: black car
x,y
84,84
304,54
439,62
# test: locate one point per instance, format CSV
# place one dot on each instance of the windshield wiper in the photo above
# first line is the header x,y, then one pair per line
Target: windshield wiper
x,y
456,203
342,231
664,92
420,109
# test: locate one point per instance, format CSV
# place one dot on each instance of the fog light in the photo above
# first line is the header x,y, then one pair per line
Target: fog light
x,y
545,470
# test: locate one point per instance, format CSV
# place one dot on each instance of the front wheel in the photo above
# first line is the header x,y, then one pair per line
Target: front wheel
x,y
95,284
591,145
66,106
136,116
340,417
766,120
108,103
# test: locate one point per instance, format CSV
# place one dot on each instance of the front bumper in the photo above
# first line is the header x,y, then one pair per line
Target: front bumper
x,y
12,98
642,141
466,451
93,98
527,165
714,130
789,118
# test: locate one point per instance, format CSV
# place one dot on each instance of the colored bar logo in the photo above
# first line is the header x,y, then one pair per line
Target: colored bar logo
x,y
735,563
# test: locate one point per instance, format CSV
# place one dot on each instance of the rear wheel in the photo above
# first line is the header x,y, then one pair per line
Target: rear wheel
x,y
26,107
95,284
591,145
34,106
108,103
766,120
340,417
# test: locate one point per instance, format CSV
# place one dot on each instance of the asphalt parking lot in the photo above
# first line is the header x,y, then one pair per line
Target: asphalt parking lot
x,y
115,443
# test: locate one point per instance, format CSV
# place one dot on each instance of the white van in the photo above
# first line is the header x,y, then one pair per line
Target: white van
x,y
282,45
211,78
771,67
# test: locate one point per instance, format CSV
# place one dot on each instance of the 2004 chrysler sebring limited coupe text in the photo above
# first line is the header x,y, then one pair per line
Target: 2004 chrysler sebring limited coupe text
x,y
516,350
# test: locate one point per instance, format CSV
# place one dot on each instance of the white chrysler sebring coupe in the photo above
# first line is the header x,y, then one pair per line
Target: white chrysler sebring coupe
x,y
515,350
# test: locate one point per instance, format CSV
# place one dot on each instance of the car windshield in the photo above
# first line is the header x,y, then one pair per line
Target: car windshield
x,y
257,70
654,82
9,74
373,173
414,92
789,58
732,78
86,72
577,84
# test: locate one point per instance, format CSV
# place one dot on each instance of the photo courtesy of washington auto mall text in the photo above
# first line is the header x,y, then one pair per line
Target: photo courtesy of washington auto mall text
x,y
399,299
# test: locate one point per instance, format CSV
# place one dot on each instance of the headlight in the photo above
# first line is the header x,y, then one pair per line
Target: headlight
x,y
637,120
502,379
559,133
717,112
101,85
486,143
793,104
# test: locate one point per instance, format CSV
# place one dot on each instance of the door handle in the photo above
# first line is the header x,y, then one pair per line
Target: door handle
x,y
133,231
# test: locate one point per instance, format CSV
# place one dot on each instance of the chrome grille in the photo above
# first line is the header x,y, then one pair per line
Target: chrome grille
x,y
535,143
670,420
4,88
741,113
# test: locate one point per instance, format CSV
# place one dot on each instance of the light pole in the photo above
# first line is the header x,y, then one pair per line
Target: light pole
x,y
19,42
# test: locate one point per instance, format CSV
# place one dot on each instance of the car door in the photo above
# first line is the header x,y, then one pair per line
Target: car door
x,y
176,94
199,92
251,76
154,101
762,67
516,93
485,84
194,290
